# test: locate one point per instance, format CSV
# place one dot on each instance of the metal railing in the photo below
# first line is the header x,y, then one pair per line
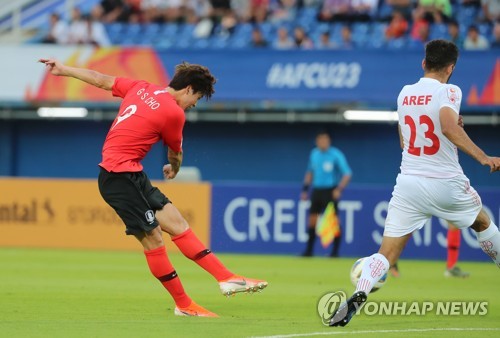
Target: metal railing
x,y
16,16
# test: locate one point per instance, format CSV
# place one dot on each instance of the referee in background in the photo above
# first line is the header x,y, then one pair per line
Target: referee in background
x,y
327,175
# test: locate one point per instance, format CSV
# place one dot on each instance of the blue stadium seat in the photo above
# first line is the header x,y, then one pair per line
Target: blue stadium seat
x,y
163,42
169,29
239,42
360,33
438,31
484,29
200,43
398,43
152,29
243,29
218,42
114,28
185,31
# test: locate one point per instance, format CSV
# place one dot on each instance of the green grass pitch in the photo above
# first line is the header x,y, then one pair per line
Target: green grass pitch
x,y
71,293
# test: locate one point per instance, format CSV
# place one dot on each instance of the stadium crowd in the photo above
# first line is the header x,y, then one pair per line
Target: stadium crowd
x,y
282,24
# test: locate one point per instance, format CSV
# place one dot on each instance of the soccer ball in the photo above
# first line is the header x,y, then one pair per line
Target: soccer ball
x,y
356,274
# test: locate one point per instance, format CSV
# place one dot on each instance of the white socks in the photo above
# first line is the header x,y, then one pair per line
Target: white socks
x,y
489,240
374,268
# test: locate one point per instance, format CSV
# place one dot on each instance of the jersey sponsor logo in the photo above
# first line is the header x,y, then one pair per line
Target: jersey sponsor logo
x,y
414,100
314,75
150,216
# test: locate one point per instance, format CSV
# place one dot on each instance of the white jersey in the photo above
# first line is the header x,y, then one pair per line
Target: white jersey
x,y
427,152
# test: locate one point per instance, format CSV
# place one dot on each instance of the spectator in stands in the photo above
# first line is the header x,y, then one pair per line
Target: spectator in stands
x,y
97,33
283,40
403,6
495,42
474,40
325,42
115,11
419,20
78,31
491,10
363,10
301,38
258,40
227,24
259,10
242,9
335,10
454,34
436,11
197,10
346,41
283,10
398,26
154,10
174,10
421,37
58,31
88,30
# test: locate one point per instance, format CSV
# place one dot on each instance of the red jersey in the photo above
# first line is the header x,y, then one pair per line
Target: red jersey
x,y
148,114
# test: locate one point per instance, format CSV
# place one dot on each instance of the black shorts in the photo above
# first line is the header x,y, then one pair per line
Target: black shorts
x,y
134,199
320,199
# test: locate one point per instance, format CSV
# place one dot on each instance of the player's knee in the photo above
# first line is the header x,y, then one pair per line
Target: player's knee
x,y
151,240
482,221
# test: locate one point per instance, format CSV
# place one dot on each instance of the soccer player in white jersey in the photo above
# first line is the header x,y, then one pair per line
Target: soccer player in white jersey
x,y
431,182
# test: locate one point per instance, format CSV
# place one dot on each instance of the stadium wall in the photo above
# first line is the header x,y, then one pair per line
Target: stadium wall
x,y
50,213
260,152
232,217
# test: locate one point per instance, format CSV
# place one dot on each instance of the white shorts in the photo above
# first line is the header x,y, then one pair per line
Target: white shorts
x,y
416,199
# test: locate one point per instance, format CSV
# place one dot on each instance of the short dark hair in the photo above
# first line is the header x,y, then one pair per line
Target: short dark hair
x,y
439,54
453,22
196,76
322,132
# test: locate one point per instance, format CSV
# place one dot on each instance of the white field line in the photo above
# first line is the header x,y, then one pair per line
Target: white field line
x,y
332,333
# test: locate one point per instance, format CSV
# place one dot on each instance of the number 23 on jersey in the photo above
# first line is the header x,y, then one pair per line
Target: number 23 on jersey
x,y
424,121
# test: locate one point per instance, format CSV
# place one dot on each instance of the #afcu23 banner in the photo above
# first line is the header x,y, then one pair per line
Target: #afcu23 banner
x,y
372,77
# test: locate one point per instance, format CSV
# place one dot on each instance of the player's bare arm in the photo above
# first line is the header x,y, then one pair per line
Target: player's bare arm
x,y
451,128
89,76
175,160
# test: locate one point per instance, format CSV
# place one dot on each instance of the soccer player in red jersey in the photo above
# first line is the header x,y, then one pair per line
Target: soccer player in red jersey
x,y
149,114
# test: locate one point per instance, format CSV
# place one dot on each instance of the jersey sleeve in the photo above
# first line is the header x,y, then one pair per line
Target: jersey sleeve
x,y
450,96
172,131
344,167
122,86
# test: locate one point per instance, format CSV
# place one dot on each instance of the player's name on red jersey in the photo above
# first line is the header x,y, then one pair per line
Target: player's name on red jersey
x,y
419,100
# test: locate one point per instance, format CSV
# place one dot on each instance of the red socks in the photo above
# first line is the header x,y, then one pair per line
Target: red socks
x,y
453,246
193,249
163,270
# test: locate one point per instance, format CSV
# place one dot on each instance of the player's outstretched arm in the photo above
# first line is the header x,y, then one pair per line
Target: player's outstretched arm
x,y
92,77
453,130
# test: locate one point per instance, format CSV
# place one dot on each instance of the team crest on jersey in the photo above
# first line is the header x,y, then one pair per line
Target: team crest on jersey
x,y
150,216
